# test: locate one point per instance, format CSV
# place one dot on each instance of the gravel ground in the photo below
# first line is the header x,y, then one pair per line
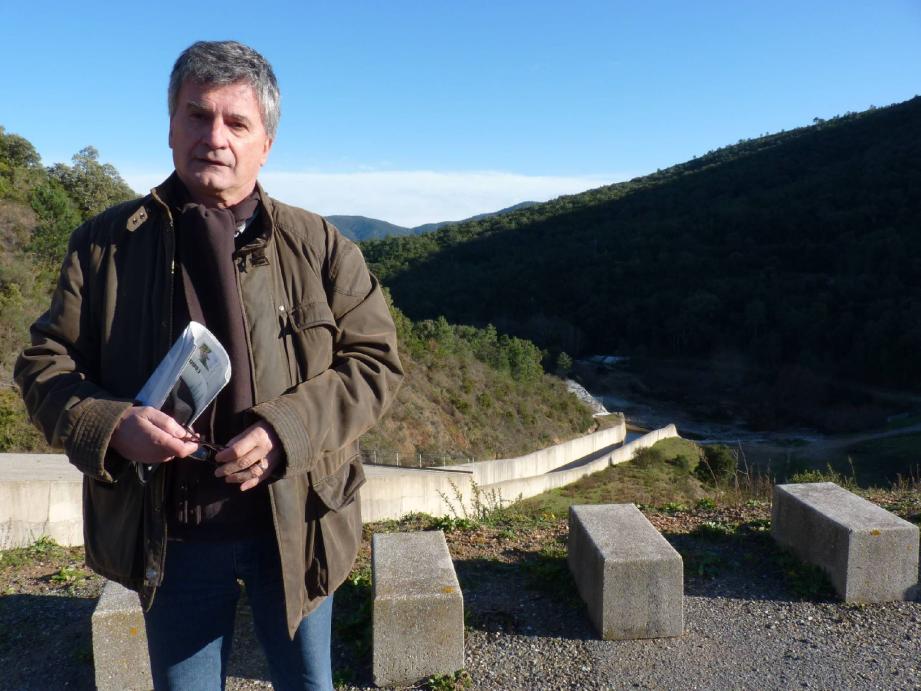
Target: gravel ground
x,y
732,641
748,624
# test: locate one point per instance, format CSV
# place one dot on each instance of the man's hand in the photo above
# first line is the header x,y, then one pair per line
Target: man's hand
x,y
249,457
148,435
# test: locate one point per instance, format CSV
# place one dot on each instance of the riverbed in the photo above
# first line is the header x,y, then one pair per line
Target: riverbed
x,y
712,419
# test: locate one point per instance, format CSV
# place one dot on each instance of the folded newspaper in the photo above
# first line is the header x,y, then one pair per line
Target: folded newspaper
x,y
189,377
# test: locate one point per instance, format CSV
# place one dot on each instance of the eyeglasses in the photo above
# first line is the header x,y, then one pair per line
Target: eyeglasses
x,y
205,451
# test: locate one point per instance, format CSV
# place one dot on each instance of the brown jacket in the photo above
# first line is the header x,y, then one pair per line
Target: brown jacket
x,y
324,362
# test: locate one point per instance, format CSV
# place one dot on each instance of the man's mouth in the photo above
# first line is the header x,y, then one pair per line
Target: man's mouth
x,y
209,162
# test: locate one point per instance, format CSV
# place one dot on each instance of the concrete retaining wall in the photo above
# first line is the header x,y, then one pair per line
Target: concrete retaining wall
x,y
531,486
41,494
393,492
545,460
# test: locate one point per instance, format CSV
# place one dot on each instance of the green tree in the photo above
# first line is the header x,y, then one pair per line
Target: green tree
x,y
57,217
563,364
93,186
20,167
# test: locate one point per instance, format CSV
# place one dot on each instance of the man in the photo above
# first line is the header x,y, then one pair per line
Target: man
x,y
314,365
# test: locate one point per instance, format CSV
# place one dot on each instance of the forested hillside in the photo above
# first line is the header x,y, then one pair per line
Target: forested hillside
x,y
360,228
798,251
468,391
39,207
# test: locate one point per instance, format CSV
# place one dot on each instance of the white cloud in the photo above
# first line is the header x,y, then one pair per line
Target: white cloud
x,y
410,198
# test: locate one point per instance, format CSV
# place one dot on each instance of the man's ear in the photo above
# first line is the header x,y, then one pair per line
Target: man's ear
x,y
170,135
266,149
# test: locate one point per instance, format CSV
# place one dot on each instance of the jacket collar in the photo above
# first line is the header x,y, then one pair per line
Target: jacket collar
x,y
170,194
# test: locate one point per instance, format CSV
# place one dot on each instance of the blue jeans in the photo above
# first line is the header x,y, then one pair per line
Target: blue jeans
x,y
190,626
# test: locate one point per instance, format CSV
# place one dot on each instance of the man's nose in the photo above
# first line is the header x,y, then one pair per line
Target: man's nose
x,y
215,135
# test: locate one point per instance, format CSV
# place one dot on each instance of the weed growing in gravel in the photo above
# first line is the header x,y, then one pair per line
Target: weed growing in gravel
x,y
43,548
451,523
703,563
715,530
458,681
672,508
485,506
71,574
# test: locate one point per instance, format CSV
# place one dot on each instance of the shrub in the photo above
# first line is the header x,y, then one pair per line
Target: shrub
x,y
718,464
827,475
647,458
681,462
16,432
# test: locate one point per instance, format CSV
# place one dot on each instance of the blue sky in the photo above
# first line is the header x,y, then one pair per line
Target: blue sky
x,y
427,111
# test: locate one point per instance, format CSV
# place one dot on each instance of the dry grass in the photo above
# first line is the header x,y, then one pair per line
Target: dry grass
x,y
458,405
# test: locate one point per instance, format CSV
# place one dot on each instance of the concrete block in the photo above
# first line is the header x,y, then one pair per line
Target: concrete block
x,y
120,641
869,554
630,577
418,611
40,495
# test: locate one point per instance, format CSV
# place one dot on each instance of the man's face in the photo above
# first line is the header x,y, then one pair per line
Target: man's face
x,y
218,140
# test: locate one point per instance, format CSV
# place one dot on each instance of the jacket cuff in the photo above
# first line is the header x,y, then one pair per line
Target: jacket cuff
x,y
291,432
88,444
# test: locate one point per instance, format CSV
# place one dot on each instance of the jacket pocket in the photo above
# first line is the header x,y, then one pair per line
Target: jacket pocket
x,y
113,516
336,528
312,330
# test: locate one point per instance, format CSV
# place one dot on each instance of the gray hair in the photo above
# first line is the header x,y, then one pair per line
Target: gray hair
x,y
218,63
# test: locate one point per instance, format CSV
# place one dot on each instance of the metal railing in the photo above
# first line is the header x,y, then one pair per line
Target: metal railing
x,y
414,460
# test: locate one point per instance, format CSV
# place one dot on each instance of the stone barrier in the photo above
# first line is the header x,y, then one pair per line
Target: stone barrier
x,y
418,610
40,495
630,577
869,554
120,641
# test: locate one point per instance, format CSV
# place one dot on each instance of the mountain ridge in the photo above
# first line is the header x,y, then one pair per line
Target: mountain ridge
x,y
361,228
795,250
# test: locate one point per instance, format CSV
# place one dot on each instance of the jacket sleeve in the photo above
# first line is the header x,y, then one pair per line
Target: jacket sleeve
x,y
327,412
55,373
